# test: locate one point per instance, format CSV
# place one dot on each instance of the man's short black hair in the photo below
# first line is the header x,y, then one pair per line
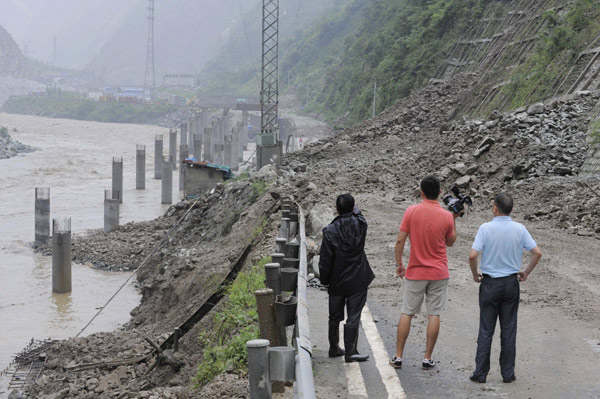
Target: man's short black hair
x,y
504,203
344,203
430,185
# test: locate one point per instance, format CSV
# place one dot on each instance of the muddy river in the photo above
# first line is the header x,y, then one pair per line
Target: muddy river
x,y
74,160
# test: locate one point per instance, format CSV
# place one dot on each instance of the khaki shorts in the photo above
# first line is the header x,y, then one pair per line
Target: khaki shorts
x,y
434,291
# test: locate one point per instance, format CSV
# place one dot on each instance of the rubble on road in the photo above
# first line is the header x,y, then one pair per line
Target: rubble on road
x,y
535,154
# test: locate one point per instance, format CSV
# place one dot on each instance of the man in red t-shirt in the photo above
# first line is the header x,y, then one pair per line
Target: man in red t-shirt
x,y
431,229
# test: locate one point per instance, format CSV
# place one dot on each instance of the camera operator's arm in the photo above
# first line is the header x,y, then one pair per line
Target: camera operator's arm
x,y
399,250
473,263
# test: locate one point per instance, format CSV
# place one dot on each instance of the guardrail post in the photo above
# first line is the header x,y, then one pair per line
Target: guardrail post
x,y
273,277
266,314
282,363
280,245
293,263
284,230
292,250
278,258
258,369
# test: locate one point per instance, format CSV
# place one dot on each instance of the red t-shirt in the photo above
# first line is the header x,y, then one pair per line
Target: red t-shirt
x,y
427,225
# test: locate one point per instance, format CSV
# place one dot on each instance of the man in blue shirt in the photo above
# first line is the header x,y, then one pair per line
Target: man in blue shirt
x,y
501,243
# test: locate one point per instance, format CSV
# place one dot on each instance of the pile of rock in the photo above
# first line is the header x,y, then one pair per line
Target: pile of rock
x,y
10,148
534,153
538,141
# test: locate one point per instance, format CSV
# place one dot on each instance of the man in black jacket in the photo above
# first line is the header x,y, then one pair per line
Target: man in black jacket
x,y
344,267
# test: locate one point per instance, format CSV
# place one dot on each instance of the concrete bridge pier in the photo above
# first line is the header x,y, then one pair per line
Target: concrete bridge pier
x,y
183,137
111,210
173,148
192,129
183,154
61,255
158,154
140,167
218,142
203,120
167,180
117,176
235,149
42,215
197,147
208,134
244,138
227,150
240,141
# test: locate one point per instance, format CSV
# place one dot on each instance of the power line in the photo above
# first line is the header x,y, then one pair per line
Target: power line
x,y
249,47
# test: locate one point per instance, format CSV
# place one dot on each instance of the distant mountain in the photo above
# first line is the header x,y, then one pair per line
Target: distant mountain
x,y
11,59
187,35
80,27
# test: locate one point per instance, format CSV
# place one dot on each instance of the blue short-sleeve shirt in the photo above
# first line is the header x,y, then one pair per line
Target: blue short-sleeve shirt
x,y
501,243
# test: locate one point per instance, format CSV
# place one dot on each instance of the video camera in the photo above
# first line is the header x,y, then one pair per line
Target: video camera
x,y
456,205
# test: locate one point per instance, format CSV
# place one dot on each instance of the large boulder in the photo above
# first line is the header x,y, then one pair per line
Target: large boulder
x,y
536,109
319,216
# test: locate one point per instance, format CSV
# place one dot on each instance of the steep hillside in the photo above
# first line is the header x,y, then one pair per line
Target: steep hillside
x,y
521,52
235,67
11,59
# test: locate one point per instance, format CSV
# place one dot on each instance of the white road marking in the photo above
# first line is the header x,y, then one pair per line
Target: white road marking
x,y
354,378
388,373
356,383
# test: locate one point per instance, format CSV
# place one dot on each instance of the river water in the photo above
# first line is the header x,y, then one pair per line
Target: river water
x,y
75,161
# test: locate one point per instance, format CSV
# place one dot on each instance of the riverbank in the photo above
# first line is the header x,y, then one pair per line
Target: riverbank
x,y
11,148
87,110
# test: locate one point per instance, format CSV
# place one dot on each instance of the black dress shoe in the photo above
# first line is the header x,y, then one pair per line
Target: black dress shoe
x,y
509,379
477,379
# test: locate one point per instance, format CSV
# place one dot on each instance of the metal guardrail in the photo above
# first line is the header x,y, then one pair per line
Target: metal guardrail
x,y
277,310
304,388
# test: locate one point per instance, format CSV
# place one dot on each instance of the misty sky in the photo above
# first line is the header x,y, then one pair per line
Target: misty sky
x,y
80,26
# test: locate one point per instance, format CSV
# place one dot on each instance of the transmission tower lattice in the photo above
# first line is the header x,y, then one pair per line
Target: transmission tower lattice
x,y
149,77
269,95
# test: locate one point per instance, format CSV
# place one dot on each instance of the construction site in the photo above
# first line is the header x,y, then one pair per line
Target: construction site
x,y
189,267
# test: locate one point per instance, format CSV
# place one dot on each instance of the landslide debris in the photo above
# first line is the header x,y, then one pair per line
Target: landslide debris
x,y
216,231
534,153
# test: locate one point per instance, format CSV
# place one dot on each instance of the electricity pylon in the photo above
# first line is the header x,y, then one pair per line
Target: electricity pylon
x,y
149,77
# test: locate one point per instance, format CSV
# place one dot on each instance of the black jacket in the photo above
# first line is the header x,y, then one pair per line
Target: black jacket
x,y
343,264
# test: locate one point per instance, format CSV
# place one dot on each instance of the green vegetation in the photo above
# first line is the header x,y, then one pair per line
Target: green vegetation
x,y
65,106
3,132
399,43
259,230
565,36
225,344
258,189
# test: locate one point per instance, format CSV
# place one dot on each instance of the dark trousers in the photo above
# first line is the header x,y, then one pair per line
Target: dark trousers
x,y
498,299
354,304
